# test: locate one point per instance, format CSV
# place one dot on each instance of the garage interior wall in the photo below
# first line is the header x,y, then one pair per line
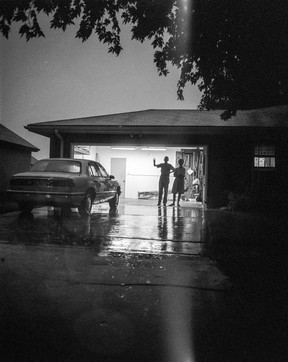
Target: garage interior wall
x,y
141,175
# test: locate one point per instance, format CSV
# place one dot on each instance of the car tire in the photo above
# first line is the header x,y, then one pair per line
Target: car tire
x,y
25,207
86,206
113,203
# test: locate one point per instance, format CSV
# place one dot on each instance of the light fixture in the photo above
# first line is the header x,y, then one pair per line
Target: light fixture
x,y
153,149
124,148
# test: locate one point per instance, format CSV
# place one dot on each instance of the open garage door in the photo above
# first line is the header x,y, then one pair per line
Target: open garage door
x,y
118,169
133,168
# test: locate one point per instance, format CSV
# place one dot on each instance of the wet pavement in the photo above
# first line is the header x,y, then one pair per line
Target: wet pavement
x,y
134,228
141,284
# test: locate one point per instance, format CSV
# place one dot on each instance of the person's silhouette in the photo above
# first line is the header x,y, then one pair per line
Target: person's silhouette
x,y
178,185
164,179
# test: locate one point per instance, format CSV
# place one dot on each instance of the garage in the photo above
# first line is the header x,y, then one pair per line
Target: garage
x,y
229,156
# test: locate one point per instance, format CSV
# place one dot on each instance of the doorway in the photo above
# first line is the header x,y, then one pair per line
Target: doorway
x,y
196,167
118,169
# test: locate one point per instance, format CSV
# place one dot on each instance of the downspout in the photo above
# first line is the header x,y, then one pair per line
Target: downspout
x,y
58,135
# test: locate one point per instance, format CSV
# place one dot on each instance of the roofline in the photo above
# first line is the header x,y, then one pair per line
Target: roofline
x,y
32,148
147,130
110,115
217,111
122,123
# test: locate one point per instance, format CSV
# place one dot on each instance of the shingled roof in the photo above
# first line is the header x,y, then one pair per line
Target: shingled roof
x,y
10,137
160,118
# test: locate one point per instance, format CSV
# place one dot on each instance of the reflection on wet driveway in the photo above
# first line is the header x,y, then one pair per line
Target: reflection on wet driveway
x,y
132,229
136,285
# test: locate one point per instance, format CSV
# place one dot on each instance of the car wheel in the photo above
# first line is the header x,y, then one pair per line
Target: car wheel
x,y
25,207
86,205
113,203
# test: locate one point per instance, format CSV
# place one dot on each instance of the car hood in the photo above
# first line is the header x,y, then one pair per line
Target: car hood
x,y
45,175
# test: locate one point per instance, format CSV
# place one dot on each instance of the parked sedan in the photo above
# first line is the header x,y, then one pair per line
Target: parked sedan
x,y
65,183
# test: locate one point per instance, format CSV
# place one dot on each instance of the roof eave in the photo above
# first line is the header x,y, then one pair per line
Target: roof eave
x,y
15,144
49,131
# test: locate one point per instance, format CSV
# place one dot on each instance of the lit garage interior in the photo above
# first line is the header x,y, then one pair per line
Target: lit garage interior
x,y
133,167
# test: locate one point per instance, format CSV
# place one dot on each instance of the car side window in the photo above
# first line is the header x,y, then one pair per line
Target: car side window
x,y
103,171
93,171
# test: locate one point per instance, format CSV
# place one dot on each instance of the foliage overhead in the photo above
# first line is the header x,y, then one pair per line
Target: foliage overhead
x,y
234,51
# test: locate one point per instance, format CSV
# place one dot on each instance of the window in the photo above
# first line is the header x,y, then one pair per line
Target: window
x,y
93,171
103,171
264,157
57,166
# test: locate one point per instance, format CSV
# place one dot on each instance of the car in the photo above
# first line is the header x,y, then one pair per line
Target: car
x,y
66,183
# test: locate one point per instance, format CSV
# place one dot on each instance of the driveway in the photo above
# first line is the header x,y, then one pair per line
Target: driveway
x,y
137,285
138,227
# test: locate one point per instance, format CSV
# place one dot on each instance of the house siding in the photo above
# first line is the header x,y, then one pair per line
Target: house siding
x,y
12,160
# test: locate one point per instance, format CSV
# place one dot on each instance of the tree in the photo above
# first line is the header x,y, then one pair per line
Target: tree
x,y
234,51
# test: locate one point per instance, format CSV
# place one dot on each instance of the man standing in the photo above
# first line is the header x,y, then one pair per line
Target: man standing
x,y
166,168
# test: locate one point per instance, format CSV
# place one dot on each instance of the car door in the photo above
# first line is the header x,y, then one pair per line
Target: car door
x,y
97,182
111,186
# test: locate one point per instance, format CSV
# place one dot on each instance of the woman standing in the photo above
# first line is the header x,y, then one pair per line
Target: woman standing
x,y
178,185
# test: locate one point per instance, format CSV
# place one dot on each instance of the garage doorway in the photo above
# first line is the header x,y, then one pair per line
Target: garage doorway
x,y
118,169
132,166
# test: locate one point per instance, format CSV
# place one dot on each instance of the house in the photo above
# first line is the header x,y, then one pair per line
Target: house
x,y
15,156
246,155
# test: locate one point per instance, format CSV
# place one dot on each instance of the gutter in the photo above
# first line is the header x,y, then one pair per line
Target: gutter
x,y
58,135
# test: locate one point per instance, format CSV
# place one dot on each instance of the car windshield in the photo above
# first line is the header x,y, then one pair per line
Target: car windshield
x,y
57,166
